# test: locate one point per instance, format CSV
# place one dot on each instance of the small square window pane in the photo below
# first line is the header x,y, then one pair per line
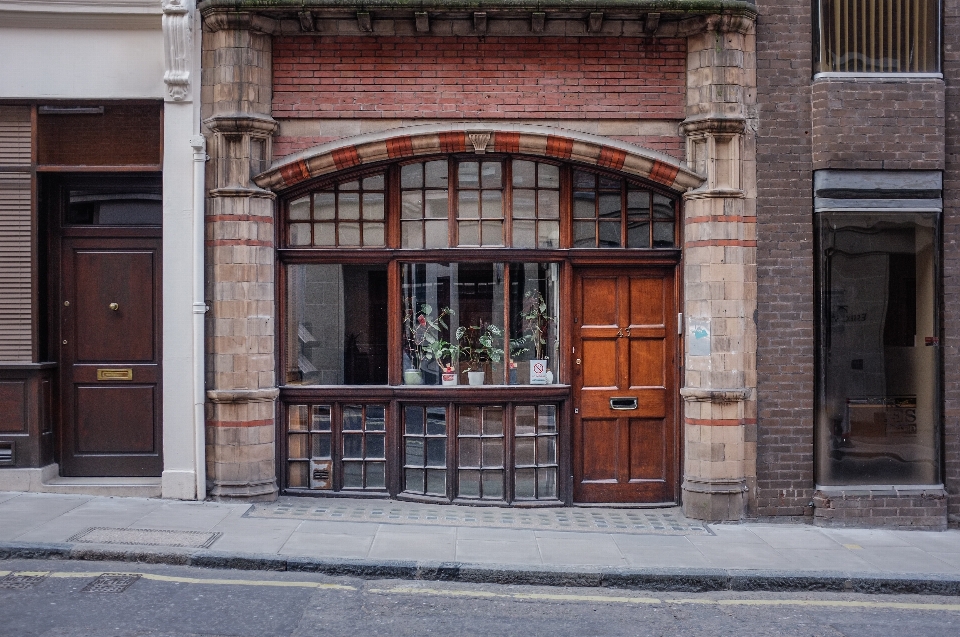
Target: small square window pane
x,y
526,483
663,234
352,475
299,210
298,474
352,445
437,175
491,233
493,421
411,234
584,205
411,176
546,450
584,234
547,418
349,234
375,446
470,452
436,206
468,207
469,174
297,446
638,202
638,233
376,475
436,452
299,234
413,480
324,206
297,418
469,421
524,204
373,182
324,234
469,484
609,183
375,418
583,179
436,482
373,206
548,234
373,234
492,452
547,482
349,185
413,452
524,174
436,421
609,206
549,204
524,234
349,205
438,235
492,485
662,207
321,418
525,420
411,204
492,207
609,234
469,232
492,175
549,176
321,446
353,418
526,451
413,420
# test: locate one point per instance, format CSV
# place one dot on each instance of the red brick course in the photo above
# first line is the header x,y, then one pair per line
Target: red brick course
x,y
390,77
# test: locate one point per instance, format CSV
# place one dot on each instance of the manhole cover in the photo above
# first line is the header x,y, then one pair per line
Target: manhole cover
x,y
146,537
21,581
111,583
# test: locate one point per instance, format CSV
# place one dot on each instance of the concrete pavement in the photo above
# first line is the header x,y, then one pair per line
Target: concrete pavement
x,y
654,549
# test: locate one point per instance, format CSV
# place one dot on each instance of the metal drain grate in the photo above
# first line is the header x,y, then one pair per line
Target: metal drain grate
x,y
146,537
21,581
111,583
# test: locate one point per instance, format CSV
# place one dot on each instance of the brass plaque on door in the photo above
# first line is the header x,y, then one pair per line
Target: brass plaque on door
x,y
115,374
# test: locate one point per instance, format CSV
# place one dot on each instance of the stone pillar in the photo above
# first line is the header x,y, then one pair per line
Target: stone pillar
x,y
241,379
720,272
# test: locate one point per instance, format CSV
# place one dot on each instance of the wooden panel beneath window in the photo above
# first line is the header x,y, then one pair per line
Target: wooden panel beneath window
x,y
123,135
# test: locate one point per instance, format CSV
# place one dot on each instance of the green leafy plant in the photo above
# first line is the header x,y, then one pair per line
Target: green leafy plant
x,y
422,331
480,344
536,322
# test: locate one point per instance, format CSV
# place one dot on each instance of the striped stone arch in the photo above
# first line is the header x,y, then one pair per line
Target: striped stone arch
x,y
540,141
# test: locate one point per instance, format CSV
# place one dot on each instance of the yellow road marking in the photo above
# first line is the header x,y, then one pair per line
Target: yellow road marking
x,y
32,573
212,581
853,547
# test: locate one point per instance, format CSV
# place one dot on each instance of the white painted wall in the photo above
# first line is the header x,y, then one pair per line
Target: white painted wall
x,y
80,63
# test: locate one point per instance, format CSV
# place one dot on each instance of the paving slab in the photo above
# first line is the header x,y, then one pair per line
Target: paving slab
x,y
557,547
98,512
28,511
498,552
397,542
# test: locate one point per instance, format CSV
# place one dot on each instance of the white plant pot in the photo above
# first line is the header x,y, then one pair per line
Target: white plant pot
x,y
412,377
475,378
448,378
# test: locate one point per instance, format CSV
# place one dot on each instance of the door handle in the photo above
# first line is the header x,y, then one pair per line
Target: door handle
x,y
114,306
623,403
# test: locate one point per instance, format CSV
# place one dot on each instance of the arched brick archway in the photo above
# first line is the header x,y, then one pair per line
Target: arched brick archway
x,y
430,140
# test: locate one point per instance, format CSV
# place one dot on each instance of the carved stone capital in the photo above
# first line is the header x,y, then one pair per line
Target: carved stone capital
x,y
243,123
738,22
712,125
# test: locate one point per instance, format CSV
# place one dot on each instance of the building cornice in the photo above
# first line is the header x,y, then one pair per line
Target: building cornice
x,y
81,14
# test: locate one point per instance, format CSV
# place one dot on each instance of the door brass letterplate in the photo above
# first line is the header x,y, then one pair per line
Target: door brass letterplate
x,y
623,403
115,374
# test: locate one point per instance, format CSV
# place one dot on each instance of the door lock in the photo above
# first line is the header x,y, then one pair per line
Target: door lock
x,y
114,306
578,361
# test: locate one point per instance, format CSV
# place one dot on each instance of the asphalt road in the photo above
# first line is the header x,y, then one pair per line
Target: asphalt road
x,y
75,599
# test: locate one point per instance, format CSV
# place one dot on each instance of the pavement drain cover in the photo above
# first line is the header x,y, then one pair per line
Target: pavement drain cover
x,y
596,520
111,583
21,581
146,537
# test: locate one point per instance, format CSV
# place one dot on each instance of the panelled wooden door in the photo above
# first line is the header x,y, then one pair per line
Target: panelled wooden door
x,y
625,429
110,347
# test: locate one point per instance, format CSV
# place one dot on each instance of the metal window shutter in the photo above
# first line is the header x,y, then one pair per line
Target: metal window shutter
x,y
16,240
14,135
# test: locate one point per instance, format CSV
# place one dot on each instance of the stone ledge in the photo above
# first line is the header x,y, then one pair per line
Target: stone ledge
x,y
234,396
722,396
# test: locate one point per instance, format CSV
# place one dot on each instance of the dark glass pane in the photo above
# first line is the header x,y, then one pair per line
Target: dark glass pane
x,y
376,475
526,452
638,202
436,452
375,418
547,483
413,480
609,234
549,176
375,446
584,180
547,450
411,176
584,234
436,174
414,452
436,482
662,208
663,234
353,445
584,205
352,475
469,452
116,200
469,421
492,485
321,418
492,452
638,232
609,183
373,182
493,421
436,421
547,418
610,207
321,445
525,420
469,484
353,418
549,204
413,420
525,483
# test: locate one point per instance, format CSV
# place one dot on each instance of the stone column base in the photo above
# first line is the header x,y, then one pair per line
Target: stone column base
x,y
247,491
714,500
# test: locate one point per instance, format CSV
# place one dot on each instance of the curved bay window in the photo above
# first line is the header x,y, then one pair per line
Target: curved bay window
x,y
423,326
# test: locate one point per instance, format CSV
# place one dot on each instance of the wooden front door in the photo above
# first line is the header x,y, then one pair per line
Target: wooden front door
x,y
625,430
110,348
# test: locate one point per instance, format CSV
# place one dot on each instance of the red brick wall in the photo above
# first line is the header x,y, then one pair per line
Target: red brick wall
x,y
435,77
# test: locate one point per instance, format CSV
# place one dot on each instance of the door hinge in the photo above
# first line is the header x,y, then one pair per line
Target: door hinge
x,y
679,322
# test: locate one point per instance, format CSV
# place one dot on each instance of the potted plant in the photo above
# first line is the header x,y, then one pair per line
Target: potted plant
x,y
447,356
478,343
536,323
421,339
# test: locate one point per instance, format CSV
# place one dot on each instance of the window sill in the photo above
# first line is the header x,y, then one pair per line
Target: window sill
x,y
888,77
